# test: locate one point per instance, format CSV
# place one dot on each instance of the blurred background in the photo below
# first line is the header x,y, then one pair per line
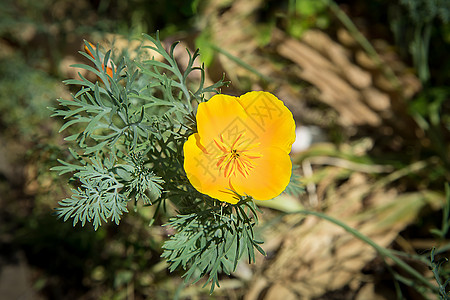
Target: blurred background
x,y
367,82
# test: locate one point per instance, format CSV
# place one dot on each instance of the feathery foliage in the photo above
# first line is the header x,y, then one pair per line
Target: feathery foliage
x,y
127,133
213,240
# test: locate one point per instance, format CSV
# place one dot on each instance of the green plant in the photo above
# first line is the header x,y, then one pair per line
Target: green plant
x,y
430,111
435,267
305,14
413,23
127,136
441,233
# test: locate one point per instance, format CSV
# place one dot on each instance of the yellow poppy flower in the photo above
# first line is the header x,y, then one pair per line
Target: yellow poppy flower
x,y
242,147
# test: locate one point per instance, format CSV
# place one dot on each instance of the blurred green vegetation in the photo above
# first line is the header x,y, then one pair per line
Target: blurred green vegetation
x,y
117,262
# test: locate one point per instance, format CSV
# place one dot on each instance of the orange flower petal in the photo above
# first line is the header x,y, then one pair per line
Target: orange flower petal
x,y
269,177
110,64
203,174
109,71
86,48
270,119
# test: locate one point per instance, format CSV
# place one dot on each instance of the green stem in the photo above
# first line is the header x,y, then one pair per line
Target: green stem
x,y
382,251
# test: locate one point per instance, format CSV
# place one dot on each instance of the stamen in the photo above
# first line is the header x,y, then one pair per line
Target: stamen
x,y
235,157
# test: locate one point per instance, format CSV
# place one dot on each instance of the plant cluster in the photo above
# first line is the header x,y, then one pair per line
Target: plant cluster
x,y
127,136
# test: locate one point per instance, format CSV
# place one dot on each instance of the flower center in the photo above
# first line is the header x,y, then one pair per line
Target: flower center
x,y
235,157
